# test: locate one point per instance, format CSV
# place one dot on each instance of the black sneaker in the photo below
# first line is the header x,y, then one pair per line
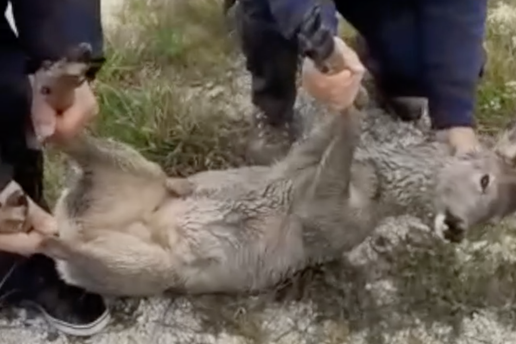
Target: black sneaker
x,y
71,310
8,265
34,282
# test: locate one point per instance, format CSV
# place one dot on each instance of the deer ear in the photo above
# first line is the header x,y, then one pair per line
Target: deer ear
x,y
505,145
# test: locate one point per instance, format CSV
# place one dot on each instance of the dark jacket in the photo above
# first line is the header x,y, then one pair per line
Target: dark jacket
x,y
46,29
449,43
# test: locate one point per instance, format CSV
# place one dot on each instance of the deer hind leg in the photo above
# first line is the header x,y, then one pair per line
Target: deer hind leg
x,y
112,264
95,154
89,151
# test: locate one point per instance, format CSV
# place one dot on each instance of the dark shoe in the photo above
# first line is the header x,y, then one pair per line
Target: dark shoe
x,y
8,265
34,283
269,143
71,310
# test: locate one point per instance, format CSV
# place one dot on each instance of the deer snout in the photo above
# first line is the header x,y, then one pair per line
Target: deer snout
x,y
450,227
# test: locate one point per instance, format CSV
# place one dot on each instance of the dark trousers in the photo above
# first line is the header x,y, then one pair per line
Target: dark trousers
x,y
390,29
26,164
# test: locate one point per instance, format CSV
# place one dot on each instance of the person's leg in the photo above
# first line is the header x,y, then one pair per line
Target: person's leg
x,y
272,62
452,33
34,280
389,48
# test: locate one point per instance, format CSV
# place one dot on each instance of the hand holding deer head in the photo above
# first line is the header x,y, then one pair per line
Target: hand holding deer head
x,y
23,224
63,102
477,187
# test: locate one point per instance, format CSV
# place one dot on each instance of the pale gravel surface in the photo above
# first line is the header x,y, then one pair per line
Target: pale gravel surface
x,y
362,301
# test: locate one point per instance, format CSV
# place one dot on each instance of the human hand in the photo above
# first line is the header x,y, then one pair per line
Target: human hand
x,y
24,244
461,140
339,90
55,126
38,225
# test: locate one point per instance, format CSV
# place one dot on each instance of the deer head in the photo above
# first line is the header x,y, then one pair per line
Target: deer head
x,y
476,188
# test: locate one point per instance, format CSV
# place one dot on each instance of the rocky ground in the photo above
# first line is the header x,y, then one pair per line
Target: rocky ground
x,y
398,287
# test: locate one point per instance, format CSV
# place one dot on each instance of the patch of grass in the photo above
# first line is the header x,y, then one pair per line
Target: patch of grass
x,y
185,37
184,135
155,91
497,91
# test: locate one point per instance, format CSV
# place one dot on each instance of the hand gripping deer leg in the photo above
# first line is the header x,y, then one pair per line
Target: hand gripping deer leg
x,y
57,81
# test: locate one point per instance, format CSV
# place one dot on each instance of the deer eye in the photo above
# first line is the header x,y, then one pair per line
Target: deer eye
x,y
484,181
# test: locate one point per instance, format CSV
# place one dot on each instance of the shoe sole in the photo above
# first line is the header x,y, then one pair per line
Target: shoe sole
x,y
85,330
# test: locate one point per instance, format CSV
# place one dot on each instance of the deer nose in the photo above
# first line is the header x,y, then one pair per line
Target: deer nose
x,y
456,227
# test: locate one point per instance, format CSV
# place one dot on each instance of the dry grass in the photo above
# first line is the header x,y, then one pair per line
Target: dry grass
x,y
497,91
155,91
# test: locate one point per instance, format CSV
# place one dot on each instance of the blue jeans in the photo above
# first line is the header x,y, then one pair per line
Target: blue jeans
x,y
398,34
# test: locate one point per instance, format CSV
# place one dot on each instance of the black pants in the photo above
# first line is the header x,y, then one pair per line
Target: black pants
x,y
272,62
26,164
388,28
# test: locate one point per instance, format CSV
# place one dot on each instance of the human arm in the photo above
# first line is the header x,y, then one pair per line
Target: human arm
x,y
24,244
47,29
26,236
